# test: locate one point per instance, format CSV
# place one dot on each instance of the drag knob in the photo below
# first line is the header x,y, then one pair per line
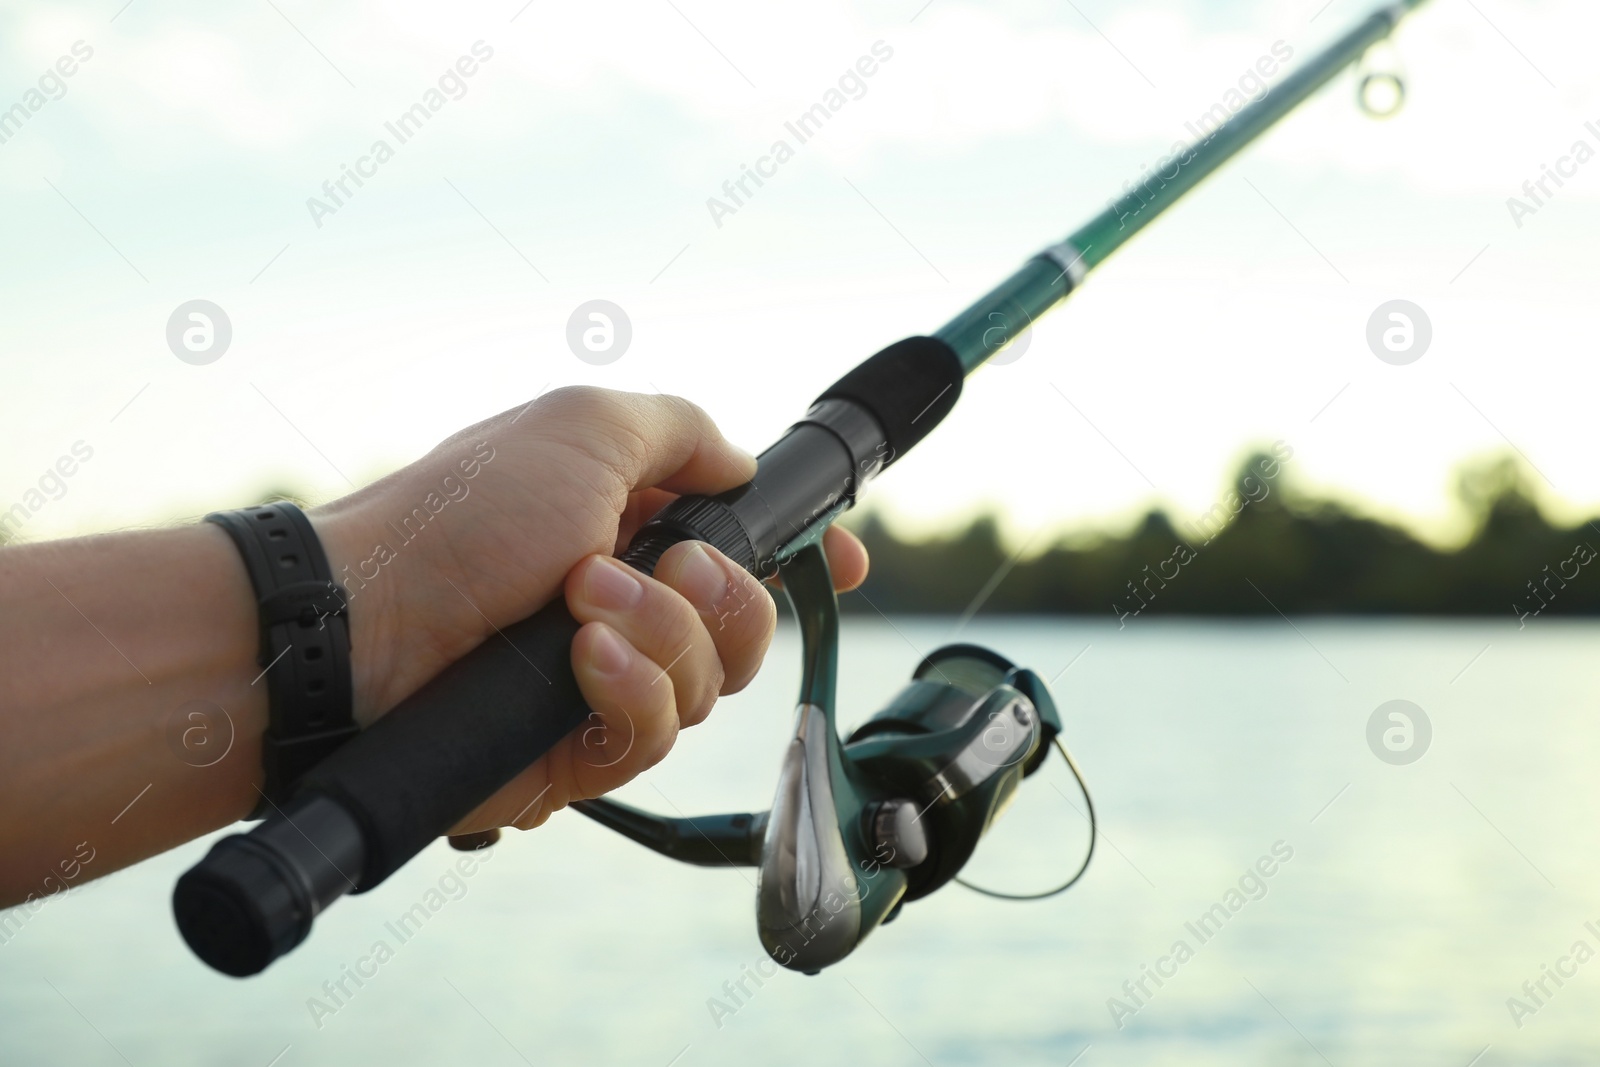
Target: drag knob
x,y
899,838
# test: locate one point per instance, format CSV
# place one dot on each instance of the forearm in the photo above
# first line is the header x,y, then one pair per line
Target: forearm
x,y
128,663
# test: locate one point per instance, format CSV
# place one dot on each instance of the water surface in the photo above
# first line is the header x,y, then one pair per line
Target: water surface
x,y
1415,899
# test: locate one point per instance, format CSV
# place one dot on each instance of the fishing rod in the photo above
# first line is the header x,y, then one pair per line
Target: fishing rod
x,y
858,827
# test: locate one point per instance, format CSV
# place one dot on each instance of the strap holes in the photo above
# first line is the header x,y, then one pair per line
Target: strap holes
x,y
314,686
266,516
277,535
288,562
313,653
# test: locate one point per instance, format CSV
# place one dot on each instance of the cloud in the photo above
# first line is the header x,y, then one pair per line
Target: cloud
x,y
963,75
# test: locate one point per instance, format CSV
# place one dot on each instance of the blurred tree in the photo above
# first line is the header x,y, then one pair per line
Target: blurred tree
x,y
1264,547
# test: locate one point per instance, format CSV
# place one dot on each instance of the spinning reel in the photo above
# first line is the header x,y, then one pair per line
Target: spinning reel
x,y
859,827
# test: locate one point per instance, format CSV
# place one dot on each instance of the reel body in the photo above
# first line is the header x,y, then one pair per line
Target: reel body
x,y
859,827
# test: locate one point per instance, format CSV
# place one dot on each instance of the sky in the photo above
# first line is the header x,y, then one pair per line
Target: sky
x,y
180,160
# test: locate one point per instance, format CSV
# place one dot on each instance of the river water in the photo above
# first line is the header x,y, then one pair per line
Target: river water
x,y
1361,911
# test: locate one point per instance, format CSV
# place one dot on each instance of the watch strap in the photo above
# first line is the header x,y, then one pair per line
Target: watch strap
x,y
304,653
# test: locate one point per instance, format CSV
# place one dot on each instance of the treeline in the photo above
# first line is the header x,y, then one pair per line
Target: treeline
x,y
1272,549
1265,547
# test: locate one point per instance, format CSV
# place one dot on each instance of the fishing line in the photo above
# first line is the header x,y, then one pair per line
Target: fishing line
x,y
1083,868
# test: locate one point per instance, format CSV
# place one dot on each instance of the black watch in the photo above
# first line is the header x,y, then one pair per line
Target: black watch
x,y
305,643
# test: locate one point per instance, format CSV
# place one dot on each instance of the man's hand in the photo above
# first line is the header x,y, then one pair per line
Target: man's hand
x,y
532,504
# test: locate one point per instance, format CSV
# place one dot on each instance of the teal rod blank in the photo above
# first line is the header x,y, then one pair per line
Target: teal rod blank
x,y
1045,280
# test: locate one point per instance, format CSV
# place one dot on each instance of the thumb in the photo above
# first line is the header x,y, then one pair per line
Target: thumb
x,y
674,445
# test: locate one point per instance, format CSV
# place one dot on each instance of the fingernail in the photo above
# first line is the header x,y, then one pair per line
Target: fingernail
x,y
612,585
702,579
610,655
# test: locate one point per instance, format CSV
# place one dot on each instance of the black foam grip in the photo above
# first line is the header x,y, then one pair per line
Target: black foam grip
x,y
449,746
909,388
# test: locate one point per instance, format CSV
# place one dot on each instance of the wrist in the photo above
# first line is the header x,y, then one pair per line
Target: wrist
x,y
348,540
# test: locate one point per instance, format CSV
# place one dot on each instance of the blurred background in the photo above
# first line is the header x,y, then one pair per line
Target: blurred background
x,y
1206,430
